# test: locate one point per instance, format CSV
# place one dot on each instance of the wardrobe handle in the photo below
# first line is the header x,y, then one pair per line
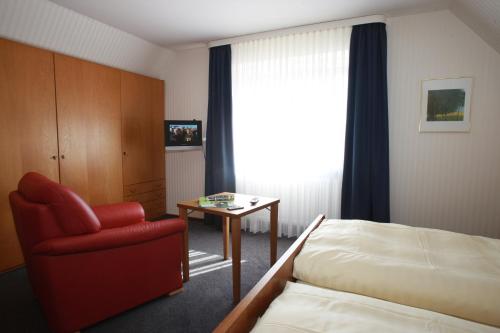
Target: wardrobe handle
x,y
124,153
53,157
62,156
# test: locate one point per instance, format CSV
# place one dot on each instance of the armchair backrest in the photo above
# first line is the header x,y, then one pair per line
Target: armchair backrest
x,y
44,209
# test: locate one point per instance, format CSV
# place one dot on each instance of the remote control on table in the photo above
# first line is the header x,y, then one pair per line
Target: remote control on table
x,y
253,201
235,207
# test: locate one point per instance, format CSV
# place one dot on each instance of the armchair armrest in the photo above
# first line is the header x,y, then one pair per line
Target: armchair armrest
x,y
119,214
110,238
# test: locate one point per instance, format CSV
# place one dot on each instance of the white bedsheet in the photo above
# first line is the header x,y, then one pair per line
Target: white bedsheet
x,y
304,308
437,270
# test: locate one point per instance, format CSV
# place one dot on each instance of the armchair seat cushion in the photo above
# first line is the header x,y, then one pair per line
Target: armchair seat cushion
x,y
110,238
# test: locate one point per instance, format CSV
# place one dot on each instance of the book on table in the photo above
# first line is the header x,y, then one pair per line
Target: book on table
x,y
216,201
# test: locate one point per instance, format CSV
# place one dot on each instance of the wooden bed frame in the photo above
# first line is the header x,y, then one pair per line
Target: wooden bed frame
x,y
245,314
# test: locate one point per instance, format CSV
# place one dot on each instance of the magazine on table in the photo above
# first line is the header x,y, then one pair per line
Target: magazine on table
x,y
216,201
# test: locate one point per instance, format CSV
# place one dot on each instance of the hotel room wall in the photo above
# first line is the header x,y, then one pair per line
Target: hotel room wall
x,y
187,98
443,180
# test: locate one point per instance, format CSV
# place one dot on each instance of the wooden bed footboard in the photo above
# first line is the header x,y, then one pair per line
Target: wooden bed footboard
x,y
244,316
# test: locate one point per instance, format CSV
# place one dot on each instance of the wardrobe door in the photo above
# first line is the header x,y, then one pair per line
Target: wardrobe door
x,y
89,127
28,133
143,142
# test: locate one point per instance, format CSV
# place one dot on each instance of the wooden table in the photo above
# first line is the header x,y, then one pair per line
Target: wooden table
x,y
232,217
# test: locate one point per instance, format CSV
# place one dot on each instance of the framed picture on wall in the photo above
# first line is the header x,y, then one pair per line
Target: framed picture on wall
x,y
446,105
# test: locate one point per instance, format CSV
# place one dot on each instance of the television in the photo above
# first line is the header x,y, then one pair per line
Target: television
x,y
183,133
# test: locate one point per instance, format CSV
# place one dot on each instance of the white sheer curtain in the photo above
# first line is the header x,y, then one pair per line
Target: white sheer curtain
x,y
289,109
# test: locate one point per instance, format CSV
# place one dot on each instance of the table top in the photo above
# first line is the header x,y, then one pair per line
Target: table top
x,y
239,199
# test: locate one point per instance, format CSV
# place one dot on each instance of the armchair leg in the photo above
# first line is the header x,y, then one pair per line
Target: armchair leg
x,y
175,292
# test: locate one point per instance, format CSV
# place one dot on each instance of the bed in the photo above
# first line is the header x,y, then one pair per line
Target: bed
x,y
451,277
305,308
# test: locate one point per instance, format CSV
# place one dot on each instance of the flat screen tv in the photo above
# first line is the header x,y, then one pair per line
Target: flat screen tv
x,y
183,133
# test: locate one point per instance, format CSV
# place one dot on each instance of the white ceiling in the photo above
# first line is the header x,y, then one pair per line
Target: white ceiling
x,y
175,22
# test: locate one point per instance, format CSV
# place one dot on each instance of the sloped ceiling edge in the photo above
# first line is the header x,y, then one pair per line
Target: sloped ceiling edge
x,y
474,21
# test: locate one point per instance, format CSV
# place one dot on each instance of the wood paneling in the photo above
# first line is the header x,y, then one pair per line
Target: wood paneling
x,y
28,133
155,208
142,137
148,196
79,142
89,125
143,142
135,189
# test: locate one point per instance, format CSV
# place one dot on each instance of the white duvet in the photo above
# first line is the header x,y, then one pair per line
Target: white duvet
x,y
304,308
437,270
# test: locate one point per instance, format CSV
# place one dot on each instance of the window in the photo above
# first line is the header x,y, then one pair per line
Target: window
x,y
289,109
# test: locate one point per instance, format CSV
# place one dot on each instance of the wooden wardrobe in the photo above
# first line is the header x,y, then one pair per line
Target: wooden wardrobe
x,y
93,128
142,140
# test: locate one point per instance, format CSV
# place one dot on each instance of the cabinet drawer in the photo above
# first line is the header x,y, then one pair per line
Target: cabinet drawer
x,y
159,203
143,187
154,213
146,197
154,208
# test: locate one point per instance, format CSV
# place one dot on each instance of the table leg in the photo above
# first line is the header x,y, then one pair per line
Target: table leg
x,y
185,254
225,235
236,249
274,232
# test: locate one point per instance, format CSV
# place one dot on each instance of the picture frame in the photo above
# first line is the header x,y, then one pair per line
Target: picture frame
x,y
445,105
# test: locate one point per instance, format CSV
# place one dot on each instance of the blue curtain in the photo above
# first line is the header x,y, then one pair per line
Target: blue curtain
x,y
219,162
365,183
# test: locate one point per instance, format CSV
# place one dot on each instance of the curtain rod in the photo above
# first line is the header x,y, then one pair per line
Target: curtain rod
x,y
302,28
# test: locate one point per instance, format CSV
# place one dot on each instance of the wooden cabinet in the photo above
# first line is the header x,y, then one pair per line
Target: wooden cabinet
x,y
28,133
72,121
89,127
143,141
151,195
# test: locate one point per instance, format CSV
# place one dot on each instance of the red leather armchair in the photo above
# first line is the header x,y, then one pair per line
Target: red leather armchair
x,y
86,264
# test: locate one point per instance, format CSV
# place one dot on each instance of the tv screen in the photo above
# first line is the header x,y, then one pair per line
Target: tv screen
x,y
183,133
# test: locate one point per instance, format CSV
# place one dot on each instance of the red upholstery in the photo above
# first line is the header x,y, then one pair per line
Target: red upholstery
x,y
107,239
66,204
87,264
119,215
